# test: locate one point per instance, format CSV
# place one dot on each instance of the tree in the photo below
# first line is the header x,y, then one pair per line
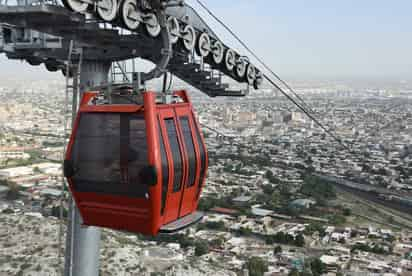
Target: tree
x,y
269,174
315,227
257,266
318,188
291,211
268,189
13,193
294,272
201,248
300,240
206,203
215,225
317,267
218,242
244,231
347,212
337,219
277,250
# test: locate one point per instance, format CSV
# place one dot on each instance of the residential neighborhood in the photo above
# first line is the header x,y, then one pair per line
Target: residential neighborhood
x,y
277,196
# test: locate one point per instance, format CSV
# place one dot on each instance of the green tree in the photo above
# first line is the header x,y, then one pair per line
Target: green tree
x,y
337,219
277,250
201,248
244,231
13,193
318,188
315,227
300,240
269,174
218,242
294,272
257,266
206,203
317,267
347,212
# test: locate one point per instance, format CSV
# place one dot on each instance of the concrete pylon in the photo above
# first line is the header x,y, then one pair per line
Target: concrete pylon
x,y
83,243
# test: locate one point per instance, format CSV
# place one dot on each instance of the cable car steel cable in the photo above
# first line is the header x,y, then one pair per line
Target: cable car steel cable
x,y
301,107
337,139
254,55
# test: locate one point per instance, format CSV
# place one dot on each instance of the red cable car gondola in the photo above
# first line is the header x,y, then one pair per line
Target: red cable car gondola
x,y
138,168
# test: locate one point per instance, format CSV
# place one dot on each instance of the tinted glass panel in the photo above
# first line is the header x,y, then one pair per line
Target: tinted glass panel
x,y
202,159
108,153
177,157
165,170
190,147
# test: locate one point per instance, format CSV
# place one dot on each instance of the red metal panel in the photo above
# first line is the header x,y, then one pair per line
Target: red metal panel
x,y
203,144
155,192
193,127
142,215
112,108
87,97
116,212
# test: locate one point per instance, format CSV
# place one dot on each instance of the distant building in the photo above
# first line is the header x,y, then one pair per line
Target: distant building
x,y
51,192
242,200
14,155
331,263
225,211
261,212
302,203
4,190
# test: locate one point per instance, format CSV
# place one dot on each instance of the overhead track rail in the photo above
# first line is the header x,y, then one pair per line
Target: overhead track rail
x,y
115,30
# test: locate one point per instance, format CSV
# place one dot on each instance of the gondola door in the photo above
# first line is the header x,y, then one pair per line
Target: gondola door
x,y
174,153
191,154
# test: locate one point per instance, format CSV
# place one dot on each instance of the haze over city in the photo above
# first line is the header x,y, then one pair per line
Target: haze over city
x,y
312,39
241,180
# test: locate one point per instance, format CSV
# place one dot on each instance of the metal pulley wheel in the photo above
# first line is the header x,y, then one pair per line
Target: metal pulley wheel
x,y
130,14
174,29
203,45
218,52
51,67
75,5
230,59
34,61
241,65
250,74
188,37
152,24
258,81
107,9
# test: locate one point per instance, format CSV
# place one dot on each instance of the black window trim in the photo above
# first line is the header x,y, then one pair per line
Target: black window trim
x,y
175,148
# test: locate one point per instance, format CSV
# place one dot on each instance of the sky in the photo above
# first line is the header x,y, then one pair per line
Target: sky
x,y
312,38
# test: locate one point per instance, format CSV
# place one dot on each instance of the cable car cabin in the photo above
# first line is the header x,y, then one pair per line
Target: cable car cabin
x,y
138,168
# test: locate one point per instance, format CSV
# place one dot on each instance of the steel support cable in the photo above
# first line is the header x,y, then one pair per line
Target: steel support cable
x,y
300,106
337,139
213,130
255,56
